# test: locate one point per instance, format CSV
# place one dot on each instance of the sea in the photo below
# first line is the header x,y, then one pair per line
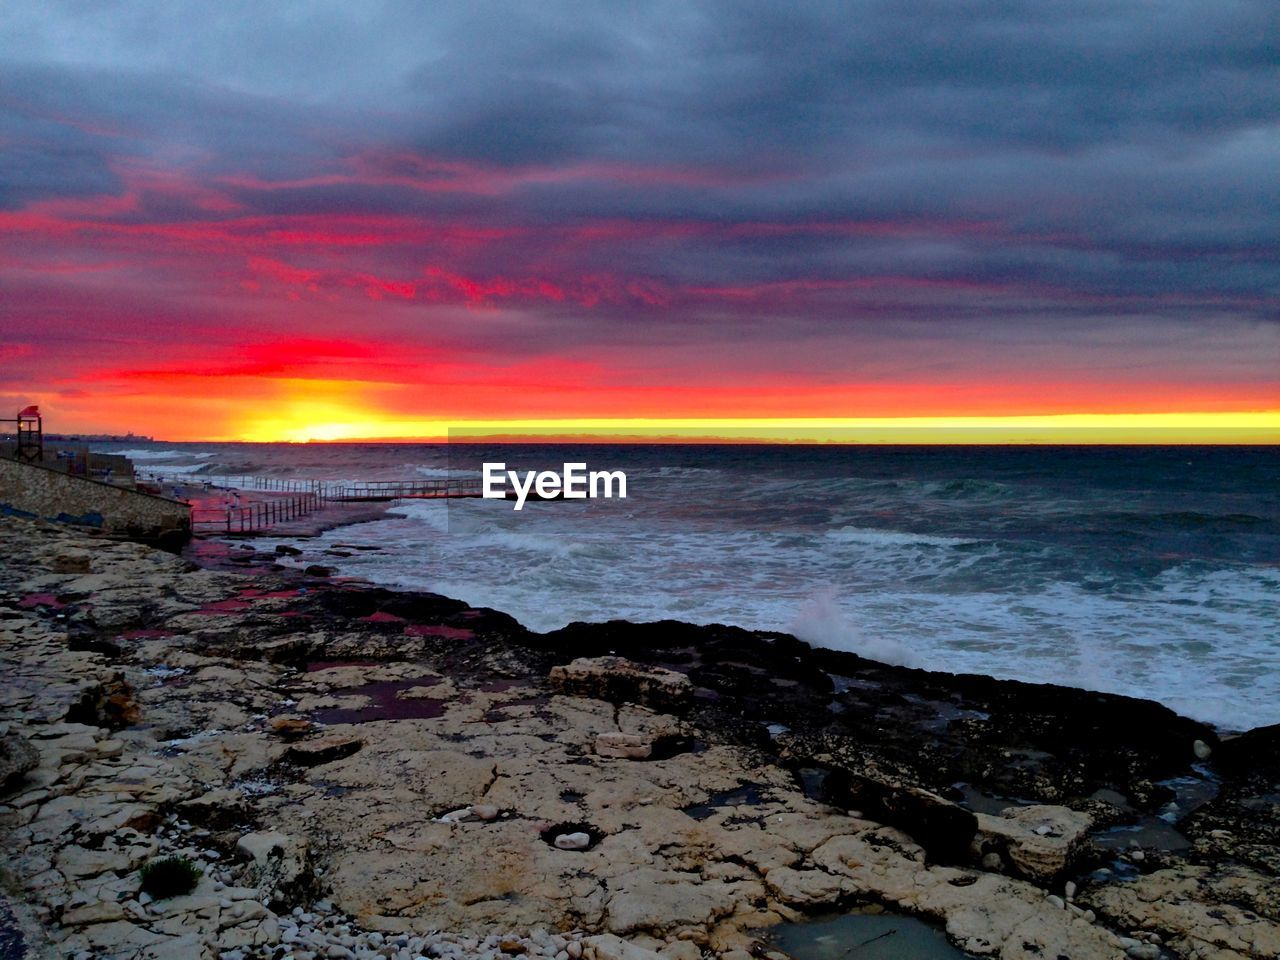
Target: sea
x,y
1141,570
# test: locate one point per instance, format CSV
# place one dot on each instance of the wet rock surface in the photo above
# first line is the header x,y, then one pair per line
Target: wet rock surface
x,y
356,769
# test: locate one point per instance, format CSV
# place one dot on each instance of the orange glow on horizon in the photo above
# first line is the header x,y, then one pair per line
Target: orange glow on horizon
x,y
182,407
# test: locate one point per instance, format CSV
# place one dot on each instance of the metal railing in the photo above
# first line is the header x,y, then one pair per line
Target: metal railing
x,y
406,489
300,497
246,518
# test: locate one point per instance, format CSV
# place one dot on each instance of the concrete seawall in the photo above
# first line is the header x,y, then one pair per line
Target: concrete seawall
x,y
28,490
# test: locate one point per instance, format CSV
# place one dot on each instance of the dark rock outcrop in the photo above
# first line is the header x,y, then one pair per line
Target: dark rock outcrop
x,y
17,757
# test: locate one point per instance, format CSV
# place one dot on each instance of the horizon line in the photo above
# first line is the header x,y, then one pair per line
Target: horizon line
x,y
1189,428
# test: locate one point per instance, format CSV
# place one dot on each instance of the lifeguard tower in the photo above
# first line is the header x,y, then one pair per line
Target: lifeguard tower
x,y
30,435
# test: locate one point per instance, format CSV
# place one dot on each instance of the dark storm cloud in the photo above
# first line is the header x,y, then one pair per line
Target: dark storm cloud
x,y
748,82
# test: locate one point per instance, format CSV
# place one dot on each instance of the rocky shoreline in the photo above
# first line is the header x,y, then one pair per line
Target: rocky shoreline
x,y
361,772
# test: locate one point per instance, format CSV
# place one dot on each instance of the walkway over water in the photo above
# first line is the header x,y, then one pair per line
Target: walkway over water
x,y
255,504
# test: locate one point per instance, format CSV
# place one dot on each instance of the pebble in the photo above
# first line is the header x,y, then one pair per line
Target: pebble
x,y
1201,750
573,841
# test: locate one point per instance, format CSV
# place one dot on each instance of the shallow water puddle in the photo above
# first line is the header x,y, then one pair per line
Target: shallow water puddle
x,y
746,795
1190,793
315,666
234,605
942,712
385,703
500,686
1150,833
981,801
257,594
1160,832
864,936
33,600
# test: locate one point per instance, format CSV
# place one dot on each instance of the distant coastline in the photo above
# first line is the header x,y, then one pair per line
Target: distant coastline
x,y
99,438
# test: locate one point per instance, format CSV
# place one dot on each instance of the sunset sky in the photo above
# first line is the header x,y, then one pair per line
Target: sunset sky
x,y
281,221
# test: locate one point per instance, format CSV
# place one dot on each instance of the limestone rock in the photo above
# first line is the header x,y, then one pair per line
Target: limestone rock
x,y
217,808
1192,906
681,950
609,947
290,727
655,900
104,911
804,888
943,828
111,703
312,753
626,746
619,680
72,561
1040,841
280,861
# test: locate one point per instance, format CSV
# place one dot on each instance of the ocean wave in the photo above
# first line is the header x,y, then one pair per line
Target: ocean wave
x,y
1180,520
682,472
167,454
966,488
895,538
443,472
822,622
1052,576
433,514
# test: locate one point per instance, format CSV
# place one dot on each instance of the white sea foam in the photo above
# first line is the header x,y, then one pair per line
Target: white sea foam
x,y
443,472
878,566
163,454
1166,643
822,622
896,538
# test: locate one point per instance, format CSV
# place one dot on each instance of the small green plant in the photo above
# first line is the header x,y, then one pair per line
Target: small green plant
x,y
169,877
